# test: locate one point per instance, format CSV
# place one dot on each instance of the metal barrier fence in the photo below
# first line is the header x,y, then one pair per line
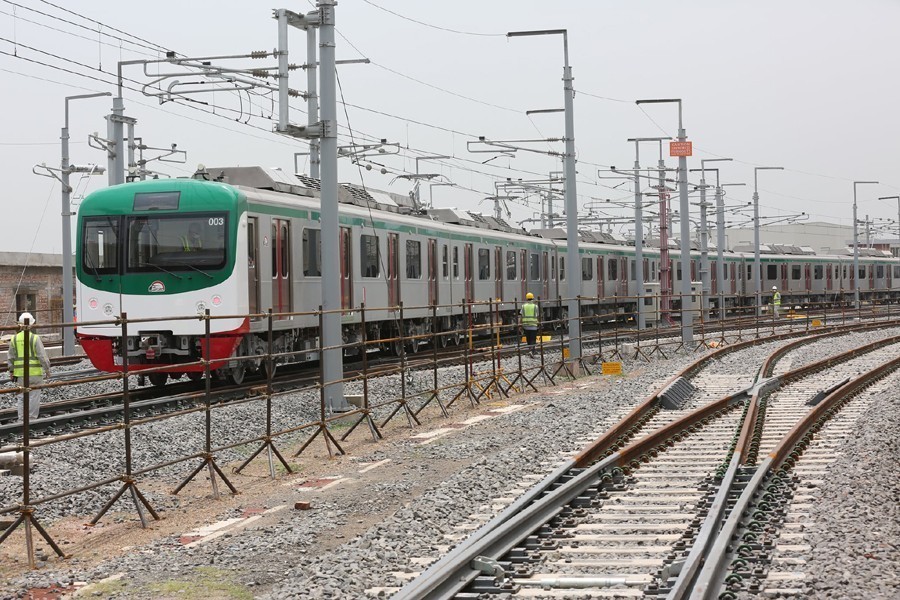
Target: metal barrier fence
x,y
480,356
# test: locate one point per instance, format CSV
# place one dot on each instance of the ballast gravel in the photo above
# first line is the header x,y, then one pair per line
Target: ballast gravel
x,y
303,554
854,524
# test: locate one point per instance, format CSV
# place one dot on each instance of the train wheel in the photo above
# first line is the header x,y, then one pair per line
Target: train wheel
x,y
443,339
158,379
236,374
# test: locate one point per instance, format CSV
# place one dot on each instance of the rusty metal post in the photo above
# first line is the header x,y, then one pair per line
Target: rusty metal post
x,y
402,404
366,410
322,428
268,444
208,460
128,483
26,511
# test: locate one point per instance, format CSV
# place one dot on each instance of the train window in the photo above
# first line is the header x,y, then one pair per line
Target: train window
x,y
553,267
796,271
612,269
633,274
587,273
156,200
100,252
818,271
312,252
455,262
896,272
484,264
562,268
534,270
678,271
413,259
511,265
844,272
771,272
749,272
369,256
445,261
652,270
285,250
879,271
862,272
179,242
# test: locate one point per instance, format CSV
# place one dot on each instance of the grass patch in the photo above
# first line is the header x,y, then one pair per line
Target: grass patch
x,y
208,582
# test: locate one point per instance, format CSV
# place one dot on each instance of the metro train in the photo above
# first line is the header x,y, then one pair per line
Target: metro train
x,y
239,241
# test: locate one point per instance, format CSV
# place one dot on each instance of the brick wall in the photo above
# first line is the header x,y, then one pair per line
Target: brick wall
x,y
42,282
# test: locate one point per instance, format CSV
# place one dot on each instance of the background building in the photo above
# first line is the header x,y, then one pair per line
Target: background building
x,y
31,282
821,237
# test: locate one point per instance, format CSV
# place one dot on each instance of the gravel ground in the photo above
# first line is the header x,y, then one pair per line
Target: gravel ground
x,y
854,525
354,539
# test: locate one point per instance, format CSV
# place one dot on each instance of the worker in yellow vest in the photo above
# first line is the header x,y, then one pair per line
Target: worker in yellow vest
x,y
530,321
38,365
776,301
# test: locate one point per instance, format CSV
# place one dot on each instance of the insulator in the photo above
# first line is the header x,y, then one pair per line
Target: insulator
x,y
259,54
293,93
261,73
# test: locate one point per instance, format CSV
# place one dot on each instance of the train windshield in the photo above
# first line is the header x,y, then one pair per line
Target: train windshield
x,y
101,245
180,242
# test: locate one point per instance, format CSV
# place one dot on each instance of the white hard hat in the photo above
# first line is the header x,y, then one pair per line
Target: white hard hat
x,y
774,287
26,315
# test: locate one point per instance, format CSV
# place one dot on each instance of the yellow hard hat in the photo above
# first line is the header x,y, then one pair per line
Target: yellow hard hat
x,y
529,296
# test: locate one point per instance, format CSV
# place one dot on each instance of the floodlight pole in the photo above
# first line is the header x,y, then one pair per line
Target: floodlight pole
x,y
720,241
897,198
856,247
757,266
571,199
68,292
687,317
706,284
639,229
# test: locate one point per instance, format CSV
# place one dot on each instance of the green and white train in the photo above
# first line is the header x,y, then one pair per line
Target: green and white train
x,y
258,249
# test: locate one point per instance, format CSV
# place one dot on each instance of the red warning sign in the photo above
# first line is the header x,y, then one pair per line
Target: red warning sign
x,y
681,149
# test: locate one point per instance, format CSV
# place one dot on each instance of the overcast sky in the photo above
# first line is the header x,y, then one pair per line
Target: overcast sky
x,y
808,85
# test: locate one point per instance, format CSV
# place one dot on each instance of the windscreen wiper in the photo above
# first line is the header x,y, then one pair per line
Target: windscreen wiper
x,y
175,275
189,265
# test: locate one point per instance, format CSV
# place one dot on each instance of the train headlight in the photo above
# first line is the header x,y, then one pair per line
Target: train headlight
x,y
93,303
216,300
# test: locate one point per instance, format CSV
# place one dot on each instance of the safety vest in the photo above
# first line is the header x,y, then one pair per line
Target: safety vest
x,y
186,244
34,364
776,299
529,315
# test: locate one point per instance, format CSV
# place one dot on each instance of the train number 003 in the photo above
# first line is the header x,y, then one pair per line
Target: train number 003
x,y
217,221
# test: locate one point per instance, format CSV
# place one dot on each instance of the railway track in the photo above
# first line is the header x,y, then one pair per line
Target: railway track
x,y
637,512
104,410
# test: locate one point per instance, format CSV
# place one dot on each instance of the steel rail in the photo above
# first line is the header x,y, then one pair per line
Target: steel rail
x,y
453,572
793,443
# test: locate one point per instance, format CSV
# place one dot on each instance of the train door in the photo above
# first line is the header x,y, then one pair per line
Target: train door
x,y
393,267
784,279
871,269
252,262
645,273
733,278
498,273
546,275
623,277
890,276
693,271
807,272
600,291
852,277
829,277
469,267
432,273
524,272
281,267
346,268
714,279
